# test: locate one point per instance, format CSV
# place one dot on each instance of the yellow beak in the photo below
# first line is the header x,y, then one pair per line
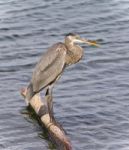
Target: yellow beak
x,y
91,42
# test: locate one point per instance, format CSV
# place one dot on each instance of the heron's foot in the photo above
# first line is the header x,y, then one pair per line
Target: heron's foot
x,y
50,108
52,119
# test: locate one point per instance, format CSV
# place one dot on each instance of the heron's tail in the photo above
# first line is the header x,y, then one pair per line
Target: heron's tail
x,y
29,93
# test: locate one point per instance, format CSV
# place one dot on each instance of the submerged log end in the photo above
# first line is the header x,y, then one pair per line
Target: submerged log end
x,y
56,132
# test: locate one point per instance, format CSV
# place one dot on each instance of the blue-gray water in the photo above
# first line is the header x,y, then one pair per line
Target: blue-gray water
x,y
91,100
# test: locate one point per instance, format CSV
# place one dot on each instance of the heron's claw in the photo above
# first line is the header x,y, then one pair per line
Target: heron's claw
x,y
51,117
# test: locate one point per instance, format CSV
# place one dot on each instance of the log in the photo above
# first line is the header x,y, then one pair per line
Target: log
x,y
55,131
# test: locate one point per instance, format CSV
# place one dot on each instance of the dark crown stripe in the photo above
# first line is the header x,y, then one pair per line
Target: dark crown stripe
x,y
70,34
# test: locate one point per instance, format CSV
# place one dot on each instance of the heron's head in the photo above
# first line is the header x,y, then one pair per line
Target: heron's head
x,y
72,38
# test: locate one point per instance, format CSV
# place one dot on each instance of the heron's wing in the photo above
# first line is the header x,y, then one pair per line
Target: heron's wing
x,y
49,67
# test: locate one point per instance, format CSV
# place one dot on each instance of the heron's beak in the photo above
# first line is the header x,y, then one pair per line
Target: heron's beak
x,y
89,42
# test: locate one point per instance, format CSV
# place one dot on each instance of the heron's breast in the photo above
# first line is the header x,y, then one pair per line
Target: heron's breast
x,y
73,57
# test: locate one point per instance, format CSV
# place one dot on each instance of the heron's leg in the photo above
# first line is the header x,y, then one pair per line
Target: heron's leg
x,y
50,103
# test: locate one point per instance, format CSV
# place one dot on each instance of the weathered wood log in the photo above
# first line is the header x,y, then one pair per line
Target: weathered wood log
x,y
56,132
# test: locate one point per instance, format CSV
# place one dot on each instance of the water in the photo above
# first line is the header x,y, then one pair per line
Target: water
x,y
91,100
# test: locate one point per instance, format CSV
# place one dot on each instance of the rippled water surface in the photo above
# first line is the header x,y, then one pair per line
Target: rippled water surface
x,y
91,100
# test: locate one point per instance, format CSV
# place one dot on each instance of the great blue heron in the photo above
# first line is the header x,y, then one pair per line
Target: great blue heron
x,y
51,65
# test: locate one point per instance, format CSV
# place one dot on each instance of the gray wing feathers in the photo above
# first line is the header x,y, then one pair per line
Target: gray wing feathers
x,y
49,67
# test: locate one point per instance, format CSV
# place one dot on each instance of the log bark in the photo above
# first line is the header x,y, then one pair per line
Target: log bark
x,y
55,131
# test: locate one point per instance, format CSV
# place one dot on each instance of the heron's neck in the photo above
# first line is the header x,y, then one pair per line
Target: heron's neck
x,y
74,48
74,52
69,44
